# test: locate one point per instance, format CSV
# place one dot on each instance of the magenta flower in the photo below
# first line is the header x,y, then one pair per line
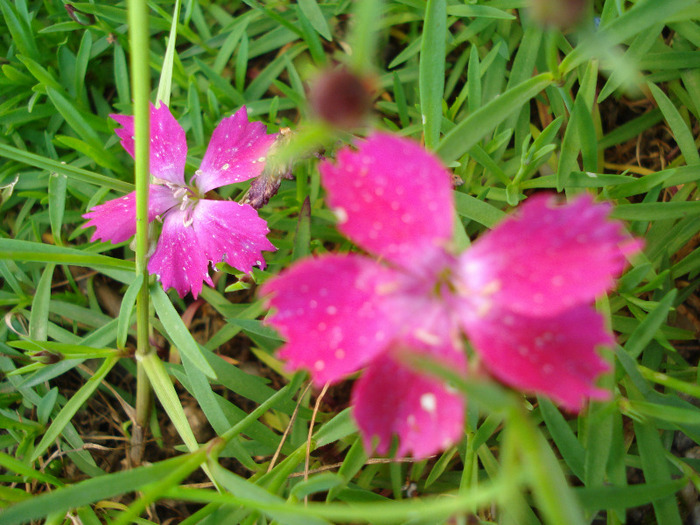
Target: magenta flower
x,y
522,295
196,231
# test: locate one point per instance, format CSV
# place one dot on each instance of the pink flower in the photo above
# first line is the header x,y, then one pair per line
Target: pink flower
x,y
196,231
522,295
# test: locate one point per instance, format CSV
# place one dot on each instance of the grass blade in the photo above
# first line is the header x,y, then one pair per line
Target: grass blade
x,y
477,125
431,72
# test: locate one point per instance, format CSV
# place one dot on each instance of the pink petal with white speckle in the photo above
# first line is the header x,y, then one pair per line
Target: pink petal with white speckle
x,y
231,232
547,258
179,262
392,197
391,398
168,146
554,356
115,220
236,152
330,310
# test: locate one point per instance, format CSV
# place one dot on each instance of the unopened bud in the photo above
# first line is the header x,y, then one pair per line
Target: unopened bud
x,y
47,358
563,14
341,98
83,19
265,186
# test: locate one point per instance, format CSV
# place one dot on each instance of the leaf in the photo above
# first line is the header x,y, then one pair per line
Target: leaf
x,y
565,439
126,309
20,30
57,204
302,237
684,137
366,17
39,315
340,426
656,468
314,15
647,329
654,211
177,331
248,491
74,117
600,498
477,125
166,394
431,69
477,210
37,252
72,406
91,490
78,174
166,74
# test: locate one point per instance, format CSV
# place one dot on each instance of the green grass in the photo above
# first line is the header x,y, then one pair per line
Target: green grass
x,y
509,106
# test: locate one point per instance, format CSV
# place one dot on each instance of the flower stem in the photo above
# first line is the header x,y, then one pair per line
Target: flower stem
x,y
140,80
550,488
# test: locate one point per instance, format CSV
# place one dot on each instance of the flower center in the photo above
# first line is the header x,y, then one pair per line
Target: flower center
x,y
188,198
475,286
188,201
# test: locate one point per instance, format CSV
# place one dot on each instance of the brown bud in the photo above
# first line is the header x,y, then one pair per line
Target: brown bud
x,y
563,14
83,19
46,357
265,186
341,98
262,189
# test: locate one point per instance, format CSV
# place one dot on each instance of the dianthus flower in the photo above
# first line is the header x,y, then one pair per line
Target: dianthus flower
x,y
522,294
196,231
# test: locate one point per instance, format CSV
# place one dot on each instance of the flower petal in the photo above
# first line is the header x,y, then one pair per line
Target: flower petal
x,y
554,356
178,261
236,152
392,197
115,220
168,146
231,232
330,310
547,258
393,399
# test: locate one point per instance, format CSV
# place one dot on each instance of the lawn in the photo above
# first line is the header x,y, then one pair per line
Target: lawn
x,y
350,261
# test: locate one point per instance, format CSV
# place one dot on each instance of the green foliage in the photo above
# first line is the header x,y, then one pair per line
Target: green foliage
x,y
511,107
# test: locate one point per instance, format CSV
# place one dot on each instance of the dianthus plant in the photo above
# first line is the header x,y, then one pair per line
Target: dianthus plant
x,y
196,231
522,294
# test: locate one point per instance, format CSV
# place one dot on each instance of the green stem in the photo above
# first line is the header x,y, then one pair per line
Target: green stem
x,y
547,481
140,79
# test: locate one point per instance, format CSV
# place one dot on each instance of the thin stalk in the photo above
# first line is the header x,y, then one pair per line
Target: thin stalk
x,y
547,481
140,82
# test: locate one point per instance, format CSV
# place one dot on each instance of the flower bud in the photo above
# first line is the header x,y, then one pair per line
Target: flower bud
x,y
47,358
341,98
563,14
265,186
83,19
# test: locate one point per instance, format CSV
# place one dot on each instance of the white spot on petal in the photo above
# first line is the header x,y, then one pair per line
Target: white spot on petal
x,y
427,337
428,402
341,215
